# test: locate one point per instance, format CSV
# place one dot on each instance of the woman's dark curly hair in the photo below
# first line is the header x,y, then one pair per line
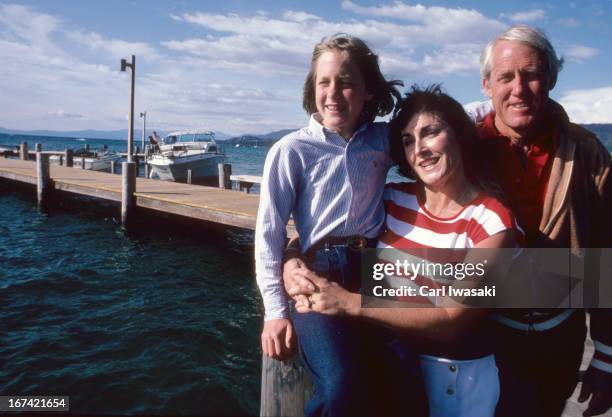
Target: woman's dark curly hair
x,y
432,99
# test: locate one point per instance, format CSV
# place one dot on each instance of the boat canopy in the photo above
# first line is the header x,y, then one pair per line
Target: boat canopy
x,y
189,136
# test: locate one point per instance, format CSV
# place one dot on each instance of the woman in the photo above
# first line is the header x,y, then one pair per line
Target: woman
x,y
450,206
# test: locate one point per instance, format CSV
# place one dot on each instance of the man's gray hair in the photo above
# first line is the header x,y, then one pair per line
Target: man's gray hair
x,y
532,37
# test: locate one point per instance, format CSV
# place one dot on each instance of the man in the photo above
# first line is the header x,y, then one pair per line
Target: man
x,y
555,176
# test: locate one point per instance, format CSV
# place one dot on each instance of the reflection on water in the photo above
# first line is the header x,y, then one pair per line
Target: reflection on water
x,y
164,321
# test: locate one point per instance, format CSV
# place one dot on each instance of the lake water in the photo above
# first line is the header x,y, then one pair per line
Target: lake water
x,y
163,321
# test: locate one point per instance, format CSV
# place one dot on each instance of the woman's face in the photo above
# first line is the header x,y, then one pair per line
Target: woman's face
x,y
431,149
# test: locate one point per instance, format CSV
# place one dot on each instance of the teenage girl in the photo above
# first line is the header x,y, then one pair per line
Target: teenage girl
x,y
329,176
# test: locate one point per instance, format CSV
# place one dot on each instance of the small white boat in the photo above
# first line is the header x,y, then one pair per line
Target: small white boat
x,y
194,150
93,160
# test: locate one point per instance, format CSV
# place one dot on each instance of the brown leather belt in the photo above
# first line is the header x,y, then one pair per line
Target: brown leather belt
x,y
356,243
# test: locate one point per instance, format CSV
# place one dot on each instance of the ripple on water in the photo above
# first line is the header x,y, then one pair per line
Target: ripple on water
x,y
93,314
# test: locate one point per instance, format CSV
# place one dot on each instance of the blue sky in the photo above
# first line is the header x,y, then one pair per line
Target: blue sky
x,y
238,66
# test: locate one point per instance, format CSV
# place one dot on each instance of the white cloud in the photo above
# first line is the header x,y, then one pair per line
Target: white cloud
x,y
526,16
422,40
23,22
116,48
569,22
417,13
65,115
588,105
234,73
453,60
437,24
202,80
298,16
37,74
242,52
578,53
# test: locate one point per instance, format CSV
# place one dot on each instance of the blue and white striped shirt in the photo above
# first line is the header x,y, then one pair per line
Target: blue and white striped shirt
x,y
331,187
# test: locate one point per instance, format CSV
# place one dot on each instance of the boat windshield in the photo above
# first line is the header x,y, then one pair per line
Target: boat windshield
x,y
196,137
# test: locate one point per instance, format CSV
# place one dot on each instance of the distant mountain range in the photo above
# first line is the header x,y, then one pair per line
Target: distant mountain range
x,y
95,134
602,130
258,139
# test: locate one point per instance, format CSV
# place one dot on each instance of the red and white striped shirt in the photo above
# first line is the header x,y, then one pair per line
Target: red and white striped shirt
x,y
410,225
412,229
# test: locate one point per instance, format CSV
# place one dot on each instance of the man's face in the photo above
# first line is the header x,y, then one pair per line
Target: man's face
x,y
518,87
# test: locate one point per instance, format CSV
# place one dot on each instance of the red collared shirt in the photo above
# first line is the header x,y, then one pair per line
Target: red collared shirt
x,y
521,171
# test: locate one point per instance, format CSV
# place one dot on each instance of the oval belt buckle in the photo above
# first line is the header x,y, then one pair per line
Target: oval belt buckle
x,y
356,242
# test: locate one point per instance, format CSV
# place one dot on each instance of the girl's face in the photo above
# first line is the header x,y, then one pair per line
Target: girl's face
x,y
431,149
340,92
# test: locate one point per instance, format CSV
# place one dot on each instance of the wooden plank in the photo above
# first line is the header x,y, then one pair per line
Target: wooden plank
x,y
285,387
245,182
198,202
253,179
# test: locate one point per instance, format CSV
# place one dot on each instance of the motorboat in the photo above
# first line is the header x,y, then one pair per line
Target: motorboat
x,y
94,160
179,152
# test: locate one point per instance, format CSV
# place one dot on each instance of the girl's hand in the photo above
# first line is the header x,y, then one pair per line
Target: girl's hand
x,y
278,339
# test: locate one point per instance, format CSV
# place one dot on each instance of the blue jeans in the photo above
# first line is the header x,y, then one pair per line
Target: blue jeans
x,y
357,369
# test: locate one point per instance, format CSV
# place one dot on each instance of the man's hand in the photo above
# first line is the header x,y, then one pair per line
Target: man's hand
x,y
596,384
296,275
278,340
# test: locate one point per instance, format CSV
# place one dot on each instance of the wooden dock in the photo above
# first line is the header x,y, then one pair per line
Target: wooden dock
x,y
212,204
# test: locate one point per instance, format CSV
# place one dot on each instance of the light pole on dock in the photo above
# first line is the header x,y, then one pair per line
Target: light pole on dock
x,y
143,115
128,169
124,66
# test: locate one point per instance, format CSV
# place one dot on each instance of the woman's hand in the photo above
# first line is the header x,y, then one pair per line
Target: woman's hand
x,y
327,298
297,275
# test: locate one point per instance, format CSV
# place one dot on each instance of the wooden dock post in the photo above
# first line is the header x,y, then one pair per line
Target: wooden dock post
x,y
225,172
37,147
128,187
136,160
112,167
285,387
42,178
23,151
69,155
82,161
188,176
61,160
146,169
